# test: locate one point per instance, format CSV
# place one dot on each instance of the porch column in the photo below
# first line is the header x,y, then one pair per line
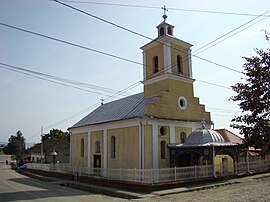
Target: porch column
x,y
155,146
141,145
172,134
105,146
70,149
89,150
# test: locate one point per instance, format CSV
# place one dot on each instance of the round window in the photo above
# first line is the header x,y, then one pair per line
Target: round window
x,y
182,103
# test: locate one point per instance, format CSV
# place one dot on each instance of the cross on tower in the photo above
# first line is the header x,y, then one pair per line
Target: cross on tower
x,y
165,9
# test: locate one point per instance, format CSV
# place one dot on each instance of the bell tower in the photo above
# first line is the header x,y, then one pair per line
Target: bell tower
x,y
167,77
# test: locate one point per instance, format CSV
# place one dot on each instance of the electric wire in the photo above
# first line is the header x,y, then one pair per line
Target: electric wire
x,y
85,85
129,60
204,47
156,7
97,51
141,35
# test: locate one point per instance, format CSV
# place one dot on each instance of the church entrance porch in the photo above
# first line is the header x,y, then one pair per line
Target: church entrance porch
x,y
222,157
189,158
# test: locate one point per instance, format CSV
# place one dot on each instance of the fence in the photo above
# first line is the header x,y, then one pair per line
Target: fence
x,y
163,175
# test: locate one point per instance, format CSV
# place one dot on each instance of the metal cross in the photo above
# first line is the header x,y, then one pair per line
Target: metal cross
x,y
165,9
203,124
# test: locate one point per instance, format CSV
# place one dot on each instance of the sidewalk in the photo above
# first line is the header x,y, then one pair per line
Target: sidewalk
x,y
136,195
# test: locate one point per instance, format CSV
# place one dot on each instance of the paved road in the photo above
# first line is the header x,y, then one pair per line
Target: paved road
x,y
254,188
17,187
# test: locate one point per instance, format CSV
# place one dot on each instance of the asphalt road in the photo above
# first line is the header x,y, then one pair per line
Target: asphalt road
x,y
17,187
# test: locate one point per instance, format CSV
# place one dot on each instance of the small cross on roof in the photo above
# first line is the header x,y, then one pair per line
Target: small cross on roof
x,y
165,9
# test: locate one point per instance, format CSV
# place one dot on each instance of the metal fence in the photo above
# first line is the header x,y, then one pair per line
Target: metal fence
x,y
162,175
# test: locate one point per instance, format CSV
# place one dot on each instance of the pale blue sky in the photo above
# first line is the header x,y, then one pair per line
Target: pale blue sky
x,y
28,103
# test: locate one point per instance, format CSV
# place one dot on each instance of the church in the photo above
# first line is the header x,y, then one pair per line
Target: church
x,y
138,131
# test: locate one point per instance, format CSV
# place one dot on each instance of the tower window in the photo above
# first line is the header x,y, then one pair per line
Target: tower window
x,y
169,30
163,149
113,147
155,64
82,147
179,65
161,31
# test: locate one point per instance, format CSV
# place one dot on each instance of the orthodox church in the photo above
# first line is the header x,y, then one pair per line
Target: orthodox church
x,y
143,130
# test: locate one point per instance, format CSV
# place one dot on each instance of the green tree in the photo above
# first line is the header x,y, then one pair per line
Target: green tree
x,y
16,144
253,96
56,134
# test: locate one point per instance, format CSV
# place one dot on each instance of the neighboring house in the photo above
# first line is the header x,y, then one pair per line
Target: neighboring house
x,y
61,146
2,147
252,153
134,132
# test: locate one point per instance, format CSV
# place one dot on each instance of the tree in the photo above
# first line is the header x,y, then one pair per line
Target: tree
x,y
16,144
56,134
254,99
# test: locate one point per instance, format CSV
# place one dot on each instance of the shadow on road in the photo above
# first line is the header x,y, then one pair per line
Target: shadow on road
x,y
30,189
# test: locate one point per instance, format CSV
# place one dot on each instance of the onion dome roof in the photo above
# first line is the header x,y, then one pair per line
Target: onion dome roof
x,y
204,136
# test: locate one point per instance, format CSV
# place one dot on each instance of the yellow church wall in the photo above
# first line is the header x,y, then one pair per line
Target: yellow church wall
x,y
76,158
148,147
127,148
150,54
166,103
179,130
96,136
227,166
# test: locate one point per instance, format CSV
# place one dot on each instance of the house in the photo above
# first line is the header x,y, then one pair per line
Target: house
x,y
146,130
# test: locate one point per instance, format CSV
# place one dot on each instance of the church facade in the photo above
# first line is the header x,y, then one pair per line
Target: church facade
x,y
135,131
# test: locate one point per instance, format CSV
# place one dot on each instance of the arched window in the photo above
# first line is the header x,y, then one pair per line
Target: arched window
x,y
179,65
183,137
161,31
82,147
97,147
162,130
163,149
113,147
169,30
155,64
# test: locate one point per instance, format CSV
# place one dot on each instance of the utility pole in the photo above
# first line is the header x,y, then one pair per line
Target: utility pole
x,y
41,144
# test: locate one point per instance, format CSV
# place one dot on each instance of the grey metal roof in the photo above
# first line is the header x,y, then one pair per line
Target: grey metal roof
x,y
128,107
204,136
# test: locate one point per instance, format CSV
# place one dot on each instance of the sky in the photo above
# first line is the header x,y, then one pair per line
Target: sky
x,y
28,103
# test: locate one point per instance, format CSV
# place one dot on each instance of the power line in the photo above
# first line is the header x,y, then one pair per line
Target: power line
x,y
156,7
76,83
101,52
141,35
265,16
70,43
12,68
